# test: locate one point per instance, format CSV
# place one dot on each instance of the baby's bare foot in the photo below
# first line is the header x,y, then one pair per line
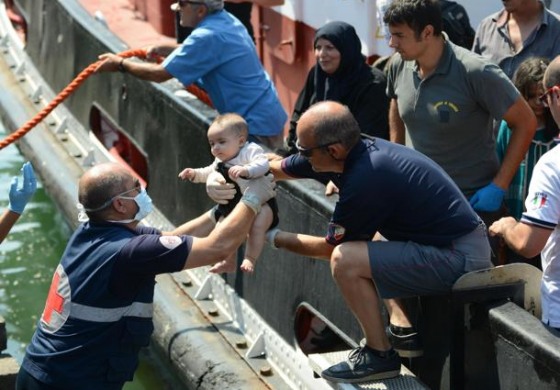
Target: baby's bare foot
x,y
223,266
247,266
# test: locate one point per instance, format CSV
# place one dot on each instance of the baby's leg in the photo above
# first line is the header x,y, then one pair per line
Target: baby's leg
x,y
256,238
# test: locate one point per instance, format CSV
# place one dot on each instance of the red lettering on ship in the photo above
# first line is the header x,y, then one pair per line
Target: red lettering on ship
x,y
54,301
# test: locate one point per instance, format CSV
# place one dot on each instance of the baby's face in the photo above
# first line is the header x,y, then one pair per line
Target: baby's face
x,y
224,143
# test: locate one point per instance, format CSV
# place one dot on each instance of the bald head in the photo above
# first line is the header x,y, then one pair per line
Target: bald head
x,y
100,183
329,122
552,74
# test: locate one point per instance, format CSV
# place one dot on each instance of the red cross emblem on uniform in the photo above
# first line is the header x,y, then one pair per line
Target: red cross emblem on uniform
x,y
55,301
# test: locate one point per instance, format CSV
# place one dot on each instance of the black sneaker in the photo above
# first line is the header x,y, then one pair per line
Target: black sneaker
x,y
406,341
364,365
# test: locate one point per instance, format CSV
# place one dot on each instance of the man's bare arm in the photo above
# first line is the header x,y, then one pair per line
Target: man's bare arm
x,y
232,231
7,221
276,169
305,245
527,240
198,227
223,240
143,70
523,124
396,124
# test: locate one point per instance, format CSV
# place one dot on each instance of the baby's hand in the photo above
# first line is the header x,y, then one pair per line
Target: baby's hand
x,y
331,189
187,174
238,171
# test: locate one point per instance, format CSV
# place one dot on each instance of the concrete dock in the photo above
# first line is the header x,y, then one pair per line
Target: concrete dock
x,y
9,367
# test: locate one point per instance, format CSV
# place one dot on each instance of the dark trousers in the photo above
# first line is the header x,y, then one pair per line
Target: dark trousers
x,y
26,382
499,248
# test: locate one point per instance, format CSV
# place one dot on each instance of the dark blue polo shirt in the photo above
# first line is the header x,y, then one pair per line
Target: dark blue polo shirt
x,y
395,190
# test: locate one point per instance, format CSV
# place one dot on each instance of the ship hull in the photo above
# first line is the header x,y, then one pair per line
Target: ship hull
x,y
169,128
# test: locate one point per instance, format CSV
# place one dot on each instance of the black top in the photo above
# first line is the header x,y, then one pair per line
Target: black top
x,y
242,11
354,84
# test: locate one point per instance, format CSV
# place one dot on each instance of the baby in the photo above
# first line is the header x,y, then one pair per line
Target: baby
x,y
236,159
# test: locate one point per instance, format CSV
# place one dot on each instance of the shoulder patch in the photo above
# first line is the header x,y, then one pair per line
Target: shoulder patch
x,y
170,242
335,232
539,200
57,307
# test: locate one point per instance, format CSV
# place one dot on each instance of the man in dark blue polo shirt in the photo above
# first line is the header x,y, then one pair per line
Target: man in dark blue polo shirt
x,y
433,235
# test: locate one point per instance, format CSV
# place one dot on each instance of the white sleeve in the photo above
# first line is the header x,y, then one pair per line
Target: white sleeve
x,y
257,161
201,174
543,198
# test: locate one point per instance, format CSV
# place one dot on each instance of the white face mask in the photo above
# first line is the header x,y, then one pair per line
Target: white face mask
x,y
143,201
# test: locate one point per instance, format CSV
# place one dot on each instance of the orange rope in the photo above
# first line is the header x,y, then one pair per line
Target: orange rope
x,y
200,94
70,88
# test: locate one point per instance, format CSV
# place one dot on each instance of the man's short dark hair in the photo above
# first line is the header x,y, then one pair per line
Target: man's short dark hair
x,y
417,14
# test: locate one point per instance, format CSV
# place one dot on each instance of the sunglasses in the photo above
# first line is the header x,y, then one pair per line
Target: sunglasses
x,y
544,97
307,152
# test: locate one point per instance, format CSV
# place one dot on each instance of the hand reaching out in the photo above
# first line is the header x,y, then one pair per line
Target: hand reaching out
x,y
187,174
20,196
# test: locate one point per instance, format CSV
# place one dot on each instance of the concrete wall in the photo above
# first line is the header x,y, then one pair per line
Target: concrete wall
x,y
8,365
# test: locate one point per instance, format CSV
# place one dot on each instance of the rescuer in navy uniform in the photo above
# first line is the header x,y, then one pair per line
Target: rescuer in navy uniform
x,y
98,312
434,236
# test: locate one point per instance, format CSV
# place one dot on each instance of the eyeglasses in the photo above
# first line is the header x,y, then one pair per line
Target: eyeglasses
x,y
544,97
183,3
307,152
137,187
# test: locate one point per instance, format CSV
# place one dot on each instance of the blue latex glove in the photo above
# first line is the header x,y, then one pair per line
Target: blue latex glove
x,y
488,198
20,196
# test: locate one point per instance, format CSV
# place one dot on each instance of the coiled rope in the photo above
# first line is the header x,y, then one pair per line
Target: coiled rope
x,y
74,84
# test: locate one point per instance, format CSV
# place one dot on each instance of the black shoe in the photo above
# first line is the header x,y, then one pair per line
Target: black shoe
x,y
406,341
364,365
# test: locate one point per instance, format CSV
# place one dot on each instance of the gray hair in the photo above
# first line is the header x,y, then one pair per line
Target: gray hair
x,y
213,5
95,196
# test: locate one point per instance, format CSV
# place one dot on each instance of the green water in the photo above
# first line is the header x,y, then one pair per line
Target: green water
x,y
28,257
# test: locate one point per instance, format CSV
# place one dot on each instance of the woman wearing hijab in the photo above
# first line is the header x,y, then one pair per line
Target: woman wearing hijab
x,y
342,74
